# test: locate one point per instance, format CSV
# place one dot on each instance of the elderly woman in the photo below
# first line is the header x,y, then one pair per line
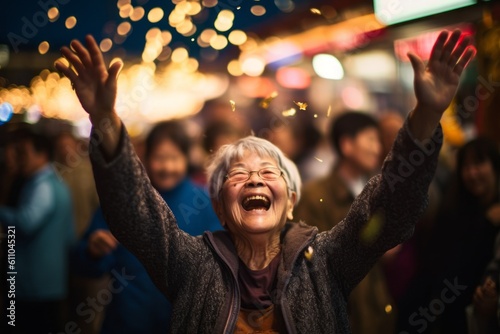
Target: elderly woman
x,y
263,274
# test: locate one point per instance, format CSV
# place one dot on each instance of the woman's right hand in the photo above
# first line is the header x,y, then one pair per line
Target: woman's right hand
x,y
95,87
101,243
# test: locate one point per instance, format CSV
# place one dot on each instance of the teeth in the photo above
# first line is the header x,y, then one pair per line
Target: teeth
x,y
257,197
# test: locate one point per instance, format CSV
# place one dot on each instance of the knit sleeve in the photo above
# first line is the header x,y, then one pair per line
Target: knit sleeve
x,y
140,219
385,213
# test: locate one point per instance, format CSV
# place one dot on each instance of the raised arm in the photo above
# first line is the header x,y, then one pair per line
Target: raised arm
x,y
385,213
136,214
95,85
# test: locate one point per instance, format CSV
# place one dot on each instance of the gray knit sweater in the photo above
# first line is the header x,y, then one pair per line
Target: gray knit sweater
x,y
199,274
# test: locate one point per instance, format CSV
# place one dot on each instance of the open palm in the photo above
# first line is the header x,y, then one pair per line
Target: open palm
x,y
94,84
436,83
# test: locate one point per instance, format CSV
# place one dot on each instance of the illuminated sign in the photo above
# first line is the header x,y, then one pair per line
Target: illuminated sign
x,y
396,11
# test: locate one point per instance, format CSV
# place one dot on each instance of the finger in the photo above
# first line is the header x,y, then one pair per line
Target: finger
x,y
73,59
95,53
68,72
82,53
438,46
464,60
417,63
113,72
458,52
450,45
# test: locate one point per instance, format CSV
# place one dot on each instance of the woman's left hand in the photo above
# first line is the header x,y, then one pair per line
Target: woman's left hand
x,y
437,81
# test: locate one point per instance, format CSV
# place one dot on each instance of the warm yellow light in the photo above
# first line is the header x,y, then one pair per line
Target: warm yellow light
x,y
176,17
183,6
43,47
123,28
184,27
53,14
153,33
253,66
195,8
207,35
250,44
106,45
126,10
219,42
209,3
70,22
166,37
62,60
137,14
179,55
155,15
258,10
191,65
237,37
225,15
121,3
234,68
223,25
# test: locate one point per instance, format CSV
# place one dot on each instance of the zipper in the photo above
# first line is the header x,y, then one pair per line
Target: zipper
x,y
231,319
284,307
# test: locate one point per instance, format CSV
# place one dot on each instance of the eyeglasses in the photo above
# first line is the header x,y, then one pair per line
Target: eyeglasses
x,y
242,175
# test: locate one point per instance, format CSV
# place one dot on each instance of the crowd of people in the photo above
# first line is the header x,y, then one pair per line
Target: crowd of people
x,y
73,272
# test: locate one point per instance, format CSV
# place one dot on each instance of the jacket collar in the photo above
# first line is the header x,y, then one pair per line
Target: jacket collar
x,y
294,238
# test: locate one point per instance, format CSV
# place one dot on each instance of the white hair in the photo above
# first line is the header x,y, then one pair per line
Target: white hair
x,y
219,166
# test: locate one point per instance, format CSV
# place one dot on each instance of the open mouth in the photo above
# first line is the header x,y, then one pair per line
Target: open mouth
x,y
256,202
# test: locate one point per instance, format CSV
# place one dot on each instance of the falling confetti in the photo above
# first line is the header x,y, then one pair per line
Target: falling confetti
x,y
233,105
301,105
315,115
267,101
289,112
371,231
318,159
329,111
309,253
315,11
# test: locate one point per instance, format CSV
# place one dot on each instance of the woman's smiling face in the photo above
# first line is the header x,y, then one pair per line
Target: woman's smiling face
x,y
255,206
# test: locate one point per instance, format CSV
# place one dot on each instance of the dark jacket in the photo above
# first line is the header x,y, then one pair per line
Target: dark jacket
x,y
139,307
199,274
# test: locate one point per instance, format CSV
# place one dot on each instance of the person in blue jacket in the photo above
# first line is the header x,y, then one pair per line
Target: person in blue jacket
x,y
134,304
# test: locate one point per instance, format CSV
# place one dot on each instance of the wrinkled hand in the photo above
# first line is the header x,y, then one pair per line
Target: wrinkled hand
x,y
101,243
94,85
436,83
486,299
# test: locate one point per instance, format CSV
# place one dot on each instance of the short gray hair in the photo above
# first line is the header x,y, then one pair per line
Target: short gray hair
x,y
219,166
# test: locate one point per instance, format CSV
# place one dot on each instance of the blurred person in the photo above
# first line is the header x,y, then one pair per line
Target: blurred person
x,y
71,155
139,307
484,316
11,182
465,230
44,231
217,134
389,124
263,273
355,137
72,163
